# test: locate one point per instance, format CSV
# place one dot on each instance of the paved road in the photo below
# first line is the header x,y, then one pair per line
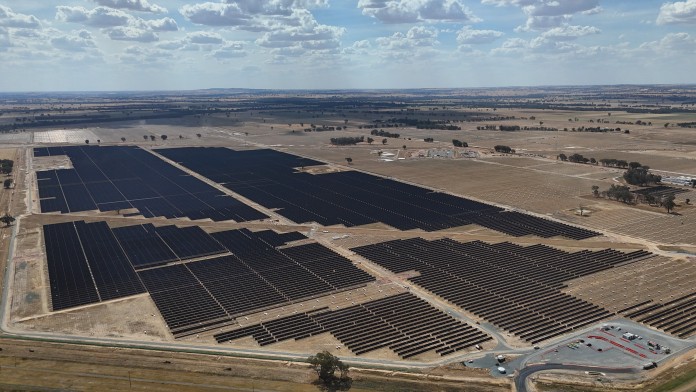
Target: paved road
x,y
522,375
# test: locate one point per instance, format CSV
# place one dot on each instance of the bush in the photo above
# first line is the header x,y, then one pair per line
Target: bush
x,y
504,149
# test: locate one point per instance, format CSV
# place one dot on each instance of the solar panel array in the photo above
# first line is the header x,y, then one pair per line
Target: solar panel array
x,y
404,323
257,276
123,177
86,265
241,271
514,287
677,316
352,198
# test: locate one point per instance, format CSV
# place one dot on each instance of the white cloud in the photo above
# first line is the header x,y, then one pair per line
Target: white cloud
x,y
358,47
164,24
305,33
545,14
215,14
230,50
171,45
204,37
411,11
139,56
677,12
133,5
250,15
553,41
9,18
469,36
594,11
132,34
568,33
674,42
117,24
417,42
78,42
98,17
4,39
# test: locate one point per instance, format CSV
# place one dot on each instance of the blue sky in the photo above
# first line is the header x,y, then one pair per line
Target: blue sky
x,y
87,45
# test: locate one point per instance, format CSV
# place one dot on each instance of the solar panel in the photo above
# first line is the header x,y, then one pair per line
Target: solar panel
x,y
113,274
143,246
189,242
68,271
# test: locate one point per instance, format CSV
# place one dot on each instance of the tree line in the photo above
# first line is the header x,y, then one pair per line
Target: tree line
x,y
383,133
623,193
576,158
347,141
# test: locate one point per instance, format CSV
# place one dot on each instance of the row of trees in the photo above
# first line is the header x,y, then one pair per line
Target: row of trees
x,y
576,158
444,125
383,133
622,193
346,141
459,143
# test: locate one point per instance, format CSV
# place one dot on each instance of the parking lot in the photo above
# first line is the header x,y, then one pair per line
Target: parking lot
x,y
608,345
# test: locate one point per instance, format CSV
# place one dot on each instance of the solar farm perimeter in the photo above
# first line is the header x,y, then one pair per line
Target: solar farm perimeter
x,y
261,250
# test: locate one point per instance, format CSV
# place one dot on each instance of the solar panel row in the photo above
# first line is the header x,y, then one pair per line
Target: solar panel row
x,y
404,323
352,198
516,288
124,177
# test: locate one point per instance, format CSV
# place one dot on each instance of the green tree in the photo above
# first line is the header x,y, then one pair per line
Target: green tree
x,y
384,141
595,190
123,139
325,365
669,203
164,137
7,219
145,137
349,160
650,199
370,140
7,183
